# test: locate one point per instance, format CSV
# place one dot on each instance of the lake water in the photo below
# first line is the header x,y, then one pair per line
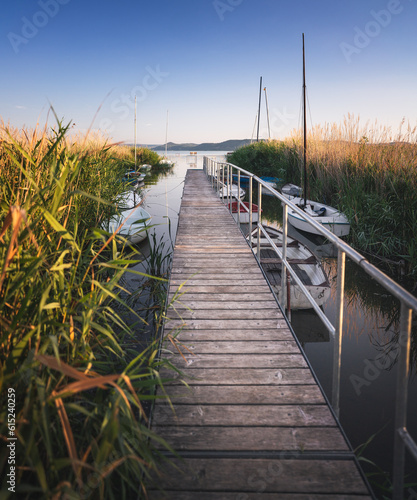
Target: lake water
x,y
369,351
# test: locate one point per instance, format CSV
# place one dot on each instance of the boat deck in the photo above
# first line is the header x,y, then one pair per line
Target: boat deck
x,y
248,419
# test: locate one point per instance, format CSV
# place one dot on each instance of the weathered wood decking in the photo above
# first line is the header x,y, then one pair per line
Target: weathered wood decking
x,y
252,423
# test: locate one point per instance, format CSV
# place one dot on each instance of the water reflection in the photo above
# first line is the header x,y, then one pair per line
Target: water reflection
x,y
370,333
369,355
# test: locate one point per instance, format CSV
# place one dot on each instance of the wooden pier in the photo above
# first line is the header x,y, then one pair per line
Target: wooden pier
x,y
251,422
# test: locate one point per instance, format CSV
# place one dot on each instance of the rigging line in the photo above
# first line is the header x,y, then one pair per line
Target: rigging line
x,y
309,111
254,126
160,205
157,195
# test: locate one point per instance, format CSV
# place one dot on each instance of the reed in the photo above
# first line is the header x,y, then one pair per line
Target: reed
x,y
80,374
368,171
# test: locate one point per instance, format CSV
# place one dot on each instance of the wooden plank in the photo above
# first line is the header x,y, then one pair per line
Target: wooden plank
x,y
245,495
247,394
266,475
196,281
237,360
266,306
237,376
212,270
283,334
225,324
226,297
246,347
229,314
244,416
253,438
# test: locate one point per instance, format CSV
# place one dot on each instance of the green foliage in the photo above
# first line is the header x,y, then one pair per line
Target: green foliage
x,y
79,373
262,158
146,156
373,184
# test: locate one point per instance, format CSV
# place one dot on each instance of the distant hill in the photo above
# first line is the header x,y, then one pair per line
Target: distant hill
x,y
229,145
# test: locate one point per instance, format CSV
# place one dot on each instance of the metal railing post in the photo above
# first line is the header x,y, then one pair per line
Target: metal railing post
x,y
402,438
238,205
229,187
250,209
404,342
258,251
337,346
284,254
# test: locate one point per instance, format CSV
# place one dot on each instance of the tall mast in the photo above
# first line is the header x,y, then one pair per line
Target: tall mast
x,y
259,109
305,125
135,133
166,136
267,113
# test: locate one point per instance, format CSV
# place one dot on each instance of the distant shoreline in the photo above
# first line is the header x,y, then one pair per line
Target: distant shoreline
x,y
229,145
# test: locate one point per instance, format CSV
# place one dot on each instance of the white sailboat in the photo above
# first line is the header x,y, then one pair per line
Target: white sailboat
x,y
331,218
166,162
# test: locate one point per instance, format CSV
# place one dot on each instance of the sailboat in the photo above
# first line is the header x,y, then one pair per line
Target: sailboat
x,y
331,218
165,162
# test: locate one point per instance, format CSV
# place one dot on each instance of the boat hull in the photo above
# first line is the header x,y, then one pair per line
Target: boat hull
x,y
131,224
298,300
333,220
233,192
308,269
243,214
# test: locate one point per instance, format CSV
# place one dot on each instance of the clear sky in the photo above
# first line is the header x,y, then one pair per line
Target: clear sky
x,y
201,60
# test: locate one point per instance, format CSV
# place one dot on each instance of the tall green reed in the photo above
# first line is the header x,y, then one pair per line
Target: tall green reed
x,y
81,426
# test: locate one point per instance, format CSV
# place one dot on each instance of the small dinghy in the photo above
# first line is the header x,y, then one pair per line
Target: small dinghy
x,y
307,267
329,217
131,224
244,214
234,192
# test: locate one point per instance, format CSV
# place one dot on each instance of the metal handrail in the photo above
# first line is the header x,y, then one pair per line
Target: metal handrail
x,y
402,438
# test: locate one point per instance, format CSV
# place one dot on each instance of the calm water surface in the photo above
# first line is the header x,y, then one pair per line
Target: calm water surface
x,y
369,352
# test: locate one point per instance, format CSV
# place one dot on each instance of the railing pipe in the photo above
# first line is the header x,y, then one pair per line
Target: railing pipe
x,y
408,305
337,347
259,223
284,254
238,205
297,280
404,342
250,210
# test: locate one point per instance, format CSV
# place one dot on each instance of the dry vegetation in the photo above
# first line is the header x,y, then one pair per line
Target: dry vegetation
x,y
367,171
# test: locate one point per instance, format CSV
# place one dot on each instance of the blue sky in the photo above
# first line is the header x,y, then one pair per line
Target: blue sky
x,y
201,60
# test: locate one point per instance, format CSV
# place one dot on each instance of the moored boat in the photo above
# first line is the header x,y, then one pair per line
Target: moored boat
x,y
291,191
131,224
307,267
329,217
272,182
233,191
244,212
244,179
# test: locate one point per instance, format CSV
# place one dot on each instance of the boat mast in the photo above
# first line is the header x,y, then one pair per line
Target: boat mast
x,y
259,109
267,113
135,133
305,125
166,136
